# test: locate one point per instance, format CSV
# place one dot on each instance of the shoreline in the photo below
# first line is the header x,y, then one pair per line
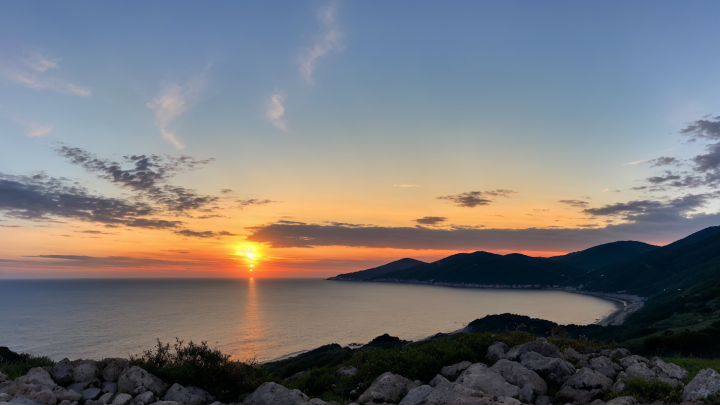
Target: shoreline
x,y
626,304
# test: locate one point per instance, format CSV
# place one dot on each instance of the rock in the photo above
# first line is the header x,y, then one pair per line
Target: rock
x,y
122,399
135,381
145,398
3,378
106,398
588,379
530,383
5,397
573,355
166,403
667,370
85,370
114,367
91,393
68,403
705,383
296,376
496,351
480,378
573,396
618,386
416,395
640,370
36,376
204,395
388,387
542,347
181,395
597,401
437,380
452,393
544,400
634,359
605,366
29,394
270,393
551,369
452,372
62,372
622,401
347,371
316,401
63,394
109,387
619,354
79,386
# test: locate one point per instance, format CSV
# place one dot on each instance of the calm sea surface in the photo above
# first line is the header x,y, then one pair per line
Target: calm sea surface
x,y
261,318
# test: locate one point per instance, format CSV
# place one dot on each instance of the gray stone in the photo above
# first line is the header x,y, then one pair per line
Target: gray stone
x,y
37,376
270,393
640,370
109,387
91,393
452,393
204,395
114,367
85,370
619,354
481,378
605,366
416,395
634,359
573,355
668,370
5,397
597,401
622,401
530,384
588,379
63,394
106,398
166,403
388,387
145,398
79,386
438,379
347,371
551,369
296,376
316,401
181,395
496,351
618,386
573,396
452,372
122,399
29,394
544,400
135,381
705,383
539,346
62,372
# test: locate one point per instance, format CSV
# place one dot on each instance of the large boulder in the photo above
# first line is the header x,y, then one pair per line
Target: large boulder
x,y
347,371
90,394
437,380
481,378
135,381
122,399
539,346
63,394
271,393
574,356
605,366
145,398
570,395
452,372
30,394
705,383
85,370
113,368
639,370
622,401
496,351
445,394
388,387
667,370
619,353
204,395
588,379
551,369
634,359
36,376
530,383
3,378
62,372
181,395
417,395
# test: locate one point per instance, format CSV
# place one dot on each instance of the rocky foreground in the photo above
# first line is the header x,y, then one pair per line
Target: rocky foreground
x,y
521,374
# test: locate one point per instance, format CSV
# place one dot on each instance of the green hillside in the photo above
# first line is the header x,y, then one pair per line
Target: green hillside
x,y
600,256
385,268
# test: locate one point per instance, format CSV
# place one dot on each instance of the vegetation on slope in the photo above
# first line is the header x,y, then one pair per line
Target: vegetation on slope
x,y
14,364
600,256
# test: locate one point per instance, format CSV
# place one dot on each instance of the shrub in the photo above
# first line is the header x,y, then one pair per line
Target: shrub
x,y
15,365
651,391
198,365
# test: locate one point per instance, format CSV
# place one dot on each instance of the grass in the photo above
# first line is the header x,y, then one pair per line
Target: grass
x,y
693,365
649,391
15,369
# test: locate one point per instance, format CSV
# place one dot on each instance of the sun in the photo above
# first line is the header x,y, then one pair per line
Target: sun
x,y
250,255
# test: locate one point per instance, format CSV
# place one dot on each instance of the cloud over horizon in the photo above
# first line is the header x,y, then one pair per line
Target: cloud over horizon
x,y
473,199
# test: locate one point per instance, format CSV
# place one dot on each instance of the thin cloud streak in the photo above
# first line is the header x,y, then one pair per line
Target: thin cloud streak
x,y
328,40
275,109
32,71
171,102
35,129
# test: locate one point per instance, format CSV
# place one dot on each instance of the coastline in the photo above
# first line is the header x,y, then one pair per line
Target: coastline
x,y
626,304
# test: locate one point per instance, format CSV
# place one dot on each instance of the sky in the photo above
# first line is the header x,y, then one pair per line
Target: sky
x,y
311,138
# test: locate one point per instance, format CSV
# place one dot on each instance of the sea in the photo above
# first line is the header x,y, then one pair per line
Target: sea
x,y
253,319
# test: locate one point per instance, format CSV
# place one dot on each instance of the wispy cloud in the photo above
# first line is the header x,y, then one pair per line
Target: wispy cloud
x,y
405,185
275,109
637,162
473,199
32,71
35,129
327,40
171,102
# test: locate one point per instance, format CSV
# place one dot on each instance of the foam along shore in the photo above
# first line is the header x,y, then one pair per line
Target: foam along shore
x,y
626,304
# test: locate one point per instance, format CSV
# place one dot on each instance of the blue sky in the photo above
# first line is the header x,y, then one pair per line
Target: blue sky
x,y
323,107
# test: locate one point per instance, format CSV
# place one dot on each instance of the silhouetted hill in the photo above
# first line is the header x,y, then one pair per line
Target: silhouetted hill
x,y
385,268
600,256
490,268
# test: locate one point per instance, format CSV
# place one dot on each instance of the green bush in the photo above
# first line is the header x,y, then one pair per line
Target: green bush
x,y
16,369
650,391
202,367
